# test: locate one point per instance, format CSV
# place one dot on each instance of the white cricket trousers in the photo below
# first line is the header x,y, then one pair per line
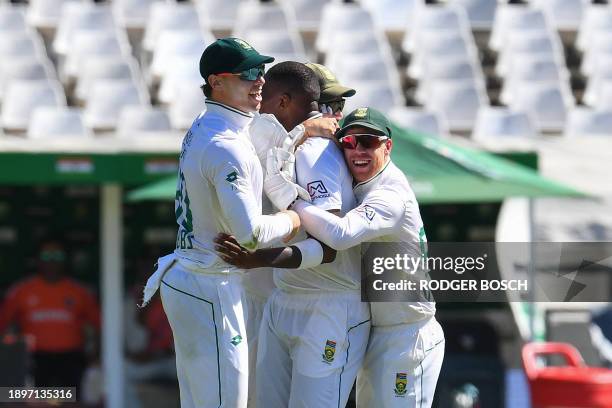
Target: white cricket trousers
x,y
401,366
311,347
208,324
254,309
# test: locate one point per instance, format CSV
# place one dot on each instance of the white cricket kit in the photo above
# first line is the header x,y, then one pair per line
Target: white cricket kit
x,y
406,345
315,328
219,190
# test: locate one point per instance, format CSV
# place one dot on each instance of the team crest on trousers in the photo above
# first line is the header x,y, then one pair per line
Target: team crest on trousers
x,y
329,352
401,382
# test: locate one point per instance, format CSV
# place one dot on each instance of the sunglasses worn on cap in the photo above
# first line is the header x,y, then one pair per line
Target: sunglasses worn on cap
x,y
367,141
248,75
336,106
52,256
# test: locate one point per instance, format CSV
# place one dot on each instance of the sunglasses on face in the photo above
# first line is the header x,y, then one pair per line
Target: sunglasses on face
x,y
52,256
336,106
367,141
249,74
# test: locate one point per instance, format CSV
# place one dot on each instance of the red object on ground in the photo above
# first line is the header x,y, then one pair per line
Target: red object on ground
x,y
572,386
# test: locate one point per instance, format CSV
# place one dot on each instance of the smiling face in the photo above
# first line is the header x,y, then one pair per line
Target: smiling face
x,y
365,163
238,93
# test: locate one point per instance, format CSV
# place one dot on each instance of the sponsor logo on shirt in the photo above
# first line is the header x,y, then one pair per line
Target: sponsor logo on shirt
x,y
317,189
400,384
367,211
329,352
236,340
233,176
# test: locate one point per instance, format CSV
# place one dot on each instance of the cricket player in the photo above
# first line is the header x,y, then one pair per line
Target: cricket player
x,y
219,189
289,97
406,345
315,327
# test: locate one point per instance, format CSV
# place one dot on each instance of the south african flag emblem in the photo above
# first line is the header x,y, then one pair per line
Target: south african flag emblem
x,y
329,352
401,382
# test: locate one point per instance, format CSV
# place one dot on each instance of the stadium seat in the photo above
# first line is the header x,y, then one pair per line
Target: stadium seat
x,y
533,69
601,46
57,121
12,18
273,42
434,19
224,12
458,102
420,120
255,15
308,13
170,16
132,14
186,106
526,43
512,18
81,16
393,15
45,14
354,68
21,44
104,67
547,102
564,15
107,98
588,122
440,45
183,71
176,43
346,43
497,122
451,68
377,94
23,96
93,43
596,21
339,17
26,68
142,120
425,86
604,95
480,12
595,85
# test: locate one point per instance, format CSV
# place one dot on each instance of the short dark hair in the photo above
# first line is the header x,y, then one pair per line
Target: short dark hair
x,y
206,89
295,78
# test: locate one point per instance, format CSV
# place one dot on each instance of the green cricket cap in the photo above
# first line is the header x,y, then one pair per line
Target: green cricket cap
x,y
366,117
230,55
331,89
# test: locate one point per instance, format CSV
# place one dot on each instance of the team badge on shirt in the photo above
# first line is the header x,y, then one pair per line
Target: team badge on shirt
x,y
401,382
329,352
367,211
317,189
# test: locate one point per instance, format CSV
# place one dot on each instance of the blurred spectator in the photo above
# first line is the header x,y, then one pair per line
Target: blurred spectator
x,y
53,311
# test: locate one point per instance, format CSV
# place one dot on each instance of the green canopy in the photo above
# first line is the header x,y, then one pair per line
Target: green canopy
x,y
439,172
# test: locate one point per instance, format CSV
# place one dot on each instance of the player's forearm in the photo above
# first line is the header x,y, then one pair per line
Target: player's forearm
x,y
264,230
305,254
328,228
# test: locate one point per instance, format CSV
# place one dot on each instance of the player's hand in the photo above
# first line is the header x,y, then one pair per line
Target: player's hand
x,y
235,254
279,184
323,127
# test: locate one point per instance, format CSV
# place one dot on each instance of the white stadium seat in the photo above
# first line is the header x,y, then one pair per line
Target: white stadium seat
x,y
187,105
104,67
273,42
435,19
142,120
440,46
377,94
596,21
57,121
182,72
547,102
24,69
563,14
497,122
512,18
81,16
170,16
393,15
12,18
480,12
342,17
176,43
21,44
93,43
23,96
526,43
132,14
589,122
595,85
600,46
224,12
107,98
419,119
458,102
254,15
45,14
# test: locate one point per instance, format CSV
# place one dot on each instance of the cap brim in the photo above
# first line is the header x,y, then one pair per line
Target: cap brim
x,y
335,92
253,61
368,125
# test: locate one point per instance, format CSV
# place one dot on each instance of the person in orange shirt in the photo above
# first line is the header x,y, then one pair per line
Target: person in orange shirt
x,y
52,310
